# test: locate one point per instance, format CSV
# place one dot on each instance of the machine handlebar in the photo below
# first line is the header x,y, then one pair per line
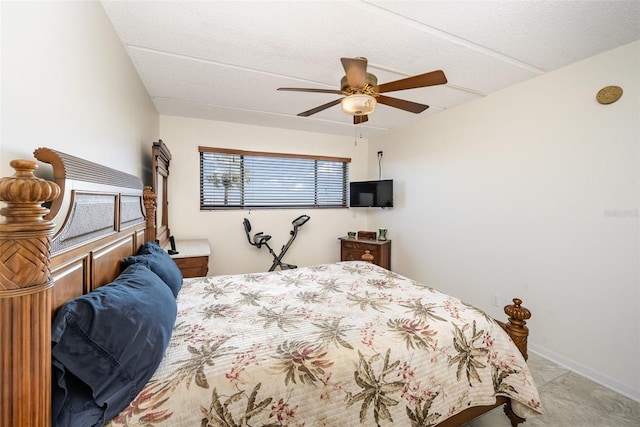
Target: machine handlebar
x,y
301,220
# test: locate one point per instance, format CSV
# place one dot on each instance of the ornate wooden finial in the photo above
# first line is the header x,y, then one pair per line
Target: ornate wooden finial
x,y
517,313
517,325
149,200
367,257
149,196
24,234
24,194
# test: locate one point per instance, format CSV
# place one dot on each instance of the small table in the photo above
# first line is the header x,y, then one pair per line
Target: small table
x,y
193,257
352,249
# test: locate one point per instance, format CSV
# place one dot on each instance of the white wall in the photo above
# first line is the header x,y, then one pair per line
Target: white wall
x,y
317,240
68,84
532,192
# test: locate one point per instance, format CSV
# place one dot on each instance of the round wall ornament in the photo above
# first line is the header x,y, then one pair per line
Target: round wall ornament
x,y
609,94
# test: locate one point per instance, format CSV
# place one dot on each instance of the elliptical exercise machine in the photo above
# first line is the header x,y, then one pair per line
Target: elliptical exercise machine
x,y
260,239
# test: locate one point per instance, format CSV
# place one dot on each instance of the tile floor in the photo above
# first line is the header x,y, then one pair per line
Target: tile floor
x,y
570,400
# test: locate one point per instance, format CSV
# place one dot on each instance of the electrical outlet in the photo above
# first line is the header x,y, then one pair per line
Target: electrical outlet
x,y
496,301
380,153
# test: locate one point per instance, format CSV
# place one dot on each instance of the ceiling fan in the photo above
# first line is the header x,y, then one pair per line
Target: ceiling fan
x,y
362,92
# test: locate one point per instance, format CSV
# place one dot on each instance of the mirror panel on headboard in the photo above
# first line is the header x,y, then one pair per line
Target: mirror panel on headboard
x,y
160,158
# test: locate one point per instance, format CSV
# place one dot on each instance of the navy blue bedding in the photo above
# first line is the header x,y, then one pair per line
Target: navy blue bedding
x,y
107,344
158,261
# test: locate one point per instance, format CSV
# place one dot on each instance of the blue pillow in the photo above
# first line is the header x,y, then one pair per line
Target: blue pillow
x,y
158,261
151,248
107,344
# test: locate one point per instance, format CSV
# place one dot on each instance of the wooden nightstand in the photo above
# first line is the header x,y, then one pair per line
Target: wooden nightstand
x,y
353,249
192,257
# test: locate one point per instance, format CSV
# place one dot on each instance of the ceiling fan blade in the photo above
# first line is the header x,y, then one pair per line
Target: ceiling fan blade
x,y
431,78
356,69
402,104
320,108
360,119
305,89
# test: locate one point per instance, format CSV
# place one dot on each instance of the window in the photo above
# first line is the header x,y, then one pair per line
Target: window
x,y
234,179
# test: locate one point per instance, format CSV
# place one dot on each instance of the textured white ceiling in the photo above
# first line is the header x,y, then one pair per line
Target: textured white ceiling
x,y
224,60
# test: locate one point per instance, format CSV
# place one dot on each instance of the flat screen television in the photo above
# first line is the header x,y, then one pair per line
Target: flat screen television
x,y
371,194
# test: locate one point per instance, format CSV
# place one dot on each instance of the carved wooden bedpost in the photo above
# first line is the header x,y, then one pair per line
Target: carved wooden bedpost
x,y
515,327
25,298
149,200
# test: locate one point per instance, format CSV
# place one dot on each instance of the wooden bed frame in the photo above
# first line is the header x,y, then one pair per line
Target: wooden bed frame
x,y
104,215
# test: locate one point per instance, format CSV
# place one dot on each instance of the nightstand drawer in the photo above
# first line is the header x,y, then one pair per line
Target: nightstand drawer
x,y
359,247
192,258
192,262
193,267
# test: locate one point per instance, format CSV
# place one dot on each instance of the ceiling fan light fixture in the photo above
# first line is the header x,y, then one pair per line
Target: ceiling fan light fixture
x,y
358,104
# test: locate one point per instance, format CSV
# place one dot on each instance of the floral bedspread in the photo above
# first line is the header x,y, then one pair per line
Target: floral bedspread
x,y
341,344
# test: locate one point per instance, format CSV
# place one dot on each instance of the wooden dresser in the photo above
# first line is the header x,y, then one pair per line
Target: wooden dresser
x,y
192,257
352,249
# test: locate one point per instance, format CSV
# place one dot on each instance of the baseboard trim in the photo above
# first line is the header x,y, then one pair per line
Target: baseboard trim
x,y
585,371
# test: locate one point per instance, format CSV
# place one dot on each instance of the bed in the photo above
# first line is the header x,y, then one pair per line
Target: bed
x,y
345,343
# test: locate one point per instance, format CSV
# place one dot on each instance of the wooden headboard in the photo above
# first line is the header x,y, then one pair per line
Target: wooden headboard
x,y
98,216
